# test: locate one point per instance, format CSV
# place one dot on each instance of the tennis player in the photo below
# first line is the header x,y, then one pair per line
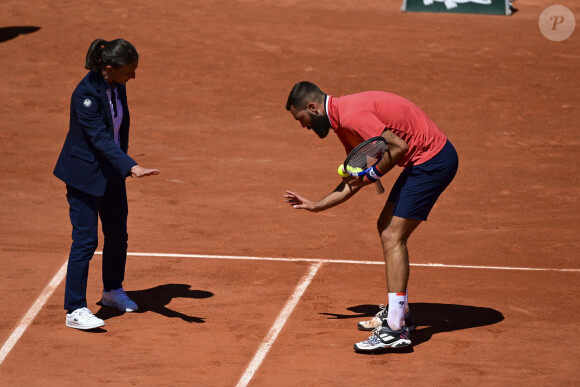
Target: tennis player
x,y
429,163
94,164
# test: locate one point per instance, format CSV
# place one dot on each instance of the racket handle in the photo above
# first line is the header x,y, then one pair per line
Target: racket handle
x,y
379,187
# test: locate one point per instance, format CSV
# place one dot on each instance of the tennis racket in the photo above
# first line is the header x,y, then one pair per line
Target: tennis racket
x,y
363,157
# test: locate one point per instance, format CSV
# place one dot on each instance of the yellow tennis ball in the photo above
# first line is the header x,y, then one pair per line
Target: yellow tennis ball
x,y
342,172
353,169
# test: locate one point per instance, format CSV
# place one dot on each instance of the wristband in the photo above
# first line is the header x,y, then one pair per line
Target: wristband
x,y
373,174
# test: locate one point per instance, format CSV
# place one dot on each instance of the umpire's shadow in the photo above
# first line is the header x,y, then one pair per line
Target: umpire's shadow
x,y
430,318
156,300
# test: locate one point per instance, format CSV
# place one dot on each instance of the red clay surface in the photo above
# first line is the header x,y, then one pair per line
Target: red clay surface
x,y
207,109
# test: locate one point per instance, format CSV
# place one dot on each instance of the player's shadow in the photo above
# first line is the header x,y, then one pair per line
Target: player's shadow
x,y
156,300
430,318
8,33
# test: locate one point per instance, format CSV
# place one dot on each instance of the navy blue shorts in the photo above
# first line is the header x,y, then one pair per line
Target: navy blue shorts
x,y
418,188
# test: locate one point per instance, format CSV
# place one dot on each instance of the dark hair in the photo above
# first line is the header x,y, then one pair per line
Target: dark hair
x,y
302,94
116,53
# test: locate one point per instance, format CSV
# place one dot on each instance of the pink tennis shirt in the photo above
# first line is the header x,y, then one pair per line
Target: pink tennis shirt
x,y
358,117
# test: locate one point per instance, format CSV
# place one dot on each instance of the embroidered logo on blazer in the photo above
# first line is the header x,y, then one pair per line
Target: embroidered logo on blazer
x,y
87,103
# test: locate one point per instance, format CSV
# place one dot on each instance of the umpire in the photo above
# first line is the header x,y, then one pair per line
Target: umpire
x,y
94,164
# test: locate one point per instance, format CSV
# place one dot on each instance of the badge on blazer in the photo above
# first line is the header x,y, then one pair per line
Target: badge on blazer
x,y
87,103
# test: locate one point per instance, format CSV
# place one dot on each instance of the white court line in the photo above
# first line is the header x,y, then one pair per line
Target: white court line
x,y
239,257
278,324
32,312
47,292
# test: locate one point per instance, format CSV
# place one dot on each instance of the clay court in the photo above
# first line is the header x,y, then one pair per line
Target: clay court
x,y
234,286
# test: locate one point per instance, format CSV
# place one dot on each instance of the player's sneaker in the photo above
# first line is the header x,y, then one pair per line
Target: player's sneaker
x,y
118,299
384,337
376,321
82,318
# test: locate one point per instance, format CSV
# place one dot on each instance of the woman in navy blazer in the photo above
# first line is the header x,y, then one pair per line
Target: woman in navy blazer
x,y
94,164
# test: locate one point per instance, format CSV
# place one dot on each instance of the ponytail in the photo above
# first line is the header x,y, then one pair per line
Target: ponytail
x,y
95,55
116,53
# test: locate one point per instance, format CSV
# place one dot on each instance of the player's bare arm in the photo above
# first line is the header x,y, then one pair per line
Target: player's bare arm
x,y
396,148
341,194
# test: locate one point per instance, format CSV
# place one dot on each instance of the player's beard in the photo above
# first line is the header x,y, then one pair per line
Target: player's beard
x,y
320,124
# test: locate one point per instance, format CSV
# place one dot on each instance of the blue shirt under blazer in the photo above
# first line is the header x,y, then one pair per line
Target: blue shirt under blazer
x,y
90,155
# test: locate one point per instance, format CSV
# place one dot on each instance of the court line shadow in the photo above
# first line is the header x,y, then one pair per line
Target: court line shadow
x,y
9,33
432,318
156,300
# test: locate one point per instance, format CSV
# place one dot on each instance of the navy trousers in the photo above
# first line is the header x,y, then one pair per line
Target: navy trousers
x,y
85,211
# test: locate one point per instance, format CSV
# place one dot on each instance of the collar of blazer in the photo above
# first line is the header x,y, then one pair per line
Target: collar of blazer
x,y
101,87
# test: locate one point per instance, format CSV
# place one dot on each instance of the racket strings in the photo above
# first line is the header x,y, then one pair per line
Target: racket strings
x,y
367,155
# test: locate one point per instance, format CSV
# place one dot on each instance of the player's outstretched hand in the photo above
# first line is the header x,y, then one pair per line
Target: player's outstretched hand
x,y
299,202
142,172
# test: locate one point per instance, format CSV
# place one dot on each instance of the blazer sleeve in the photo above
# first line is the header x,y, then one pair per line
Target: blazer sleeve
x,y
89,111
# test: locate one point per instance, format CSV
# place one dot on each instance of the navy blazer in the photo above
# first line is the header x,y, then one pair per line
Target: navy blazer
x,y
90,155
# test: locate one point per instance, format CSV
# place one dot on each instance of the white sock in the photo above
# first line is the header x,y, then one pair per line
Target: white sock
x,y
396,316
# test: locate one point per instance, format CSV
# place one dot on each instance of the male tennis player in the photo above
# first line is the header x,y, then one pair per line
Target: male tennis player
x,y
414,143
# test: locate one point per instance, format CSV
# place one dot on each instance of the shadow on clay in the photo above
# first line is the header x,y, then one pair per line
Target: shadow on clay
x,y
9,33
156,300
430,319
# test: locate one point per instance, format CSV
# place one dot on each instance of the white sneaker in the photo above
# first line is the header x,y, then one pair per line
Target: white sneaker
x,y
118,299
82,318
385,337
377,320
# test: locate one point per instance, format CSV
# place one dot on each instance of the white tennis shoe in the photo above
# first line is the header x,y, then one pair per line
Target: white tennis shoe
x,y
118,299
82,318
377,320
384,337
